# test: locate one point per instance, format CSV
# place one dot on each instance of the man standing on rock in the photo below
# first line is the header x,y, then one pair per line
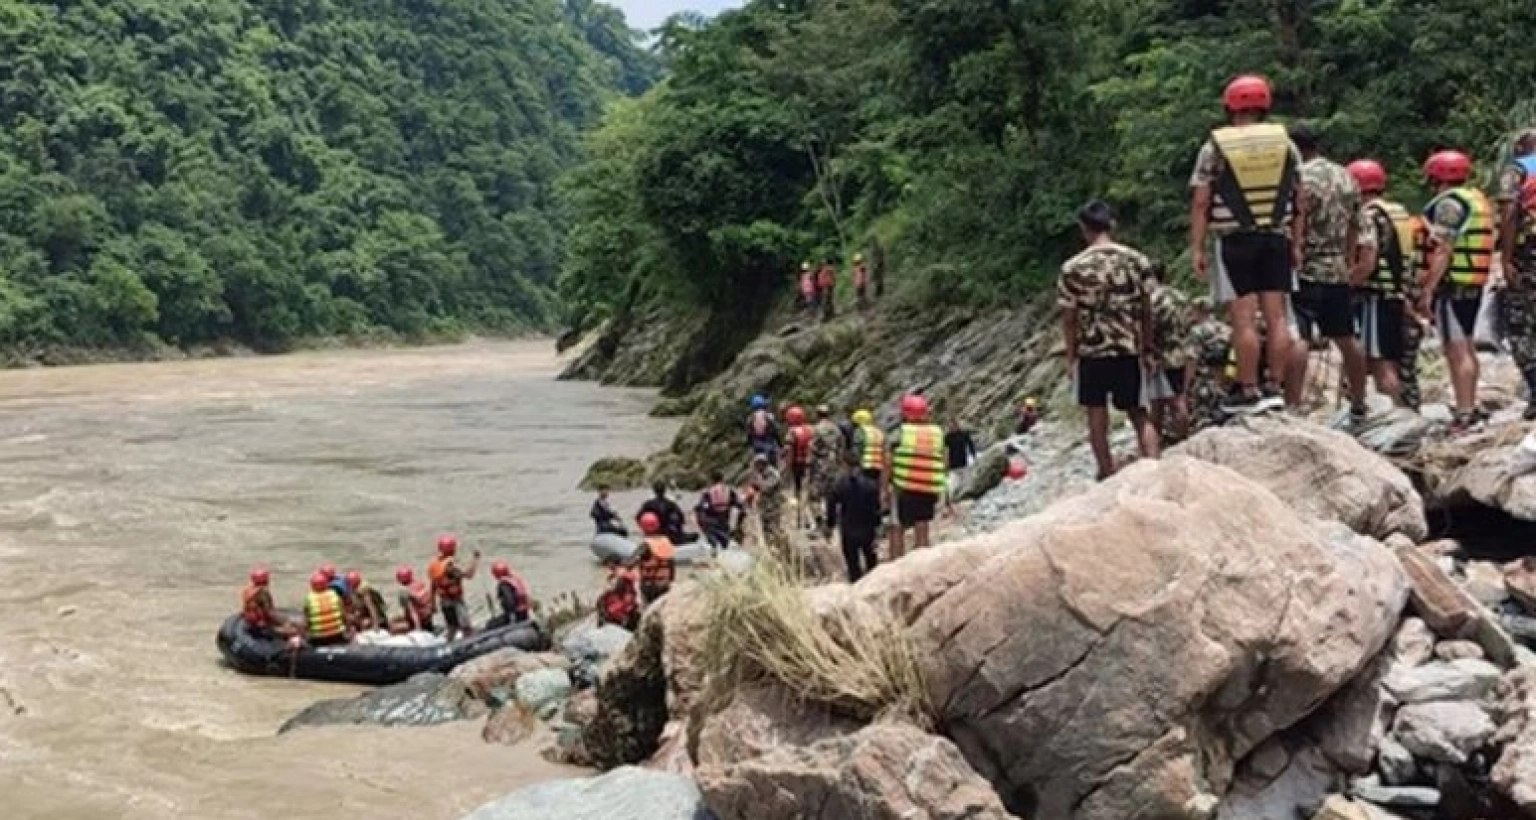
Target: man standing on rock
x,y
1517,308
1385,264
1521,167
1104,294
827,448
915,470
1334,228
768,488
853,507
1210,346
1459,259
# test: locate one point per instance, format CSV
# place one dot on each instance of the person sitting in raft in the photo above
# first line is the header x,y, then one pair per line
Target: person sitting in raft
x,y
324,615
416,603
512,595
603,515
655,559
257,609
366,609
448,585
668,513
619,604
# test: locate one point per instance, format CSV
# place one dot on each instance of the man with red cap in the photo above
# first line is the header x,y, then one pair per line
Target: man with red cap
x,y
257,608
656,559
416,602
1459,258
915,468
1247,193
511,595
448,585
1385,266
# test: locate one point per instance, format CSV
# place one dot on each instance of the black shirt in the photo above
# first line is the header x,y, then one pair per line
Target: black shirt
x,y
671,515
606,519
854,507
961,448
510,601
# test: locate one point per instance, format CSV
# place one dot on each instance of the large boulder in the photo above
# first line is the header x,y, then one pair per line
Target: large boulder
x,y
757,718
1320,472
885,771
492,677
587,646
658,674
630,793
424,700
1116,655
1515,772
1483,469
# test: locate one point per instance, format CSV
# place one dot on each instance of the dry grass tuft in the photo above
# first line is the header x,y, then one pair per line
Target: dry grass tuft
x,y
856,660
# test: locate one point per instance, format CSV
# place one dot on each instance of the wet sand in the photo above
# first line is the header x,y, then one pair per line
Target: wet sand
x,y
135,498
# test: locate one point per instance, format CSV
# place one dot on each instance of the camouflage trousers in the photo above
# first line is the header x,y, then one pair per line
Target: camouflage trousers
x,y
1408,365
1517,318
1205,396
770,508
818,486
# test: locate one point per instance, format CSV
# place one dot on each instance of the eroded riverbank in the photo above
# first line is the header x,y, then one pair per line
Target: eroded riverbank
x,y
133,498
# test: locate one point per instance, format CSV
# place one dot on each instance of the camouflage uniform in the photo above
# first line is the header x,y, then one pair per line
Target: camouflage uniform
x,y
1108,285
1170,339
826,464
769,485
1517,305
1333,204
1209,342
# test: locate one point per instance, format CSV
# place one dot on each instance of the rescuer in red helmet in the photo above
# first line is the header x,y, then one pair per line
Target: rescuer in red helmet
x,y
656,558
1385,267
916,471
1459,259
448,586
1247,195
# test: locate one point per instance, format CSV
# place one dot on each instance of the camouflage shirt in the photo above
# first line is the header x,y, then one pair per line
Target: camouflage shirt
x,y
1209,167
1333,207
827,445
1511,177
1108,285
1208,341
1170,326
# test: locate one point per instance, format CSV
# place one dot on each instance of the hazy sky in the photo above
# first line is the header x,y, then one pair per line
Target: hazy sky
x,y
648,14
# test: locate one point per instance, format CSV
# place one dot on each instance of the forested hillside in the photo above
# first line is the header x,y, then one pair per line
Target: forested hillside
x,y
200,170
963,134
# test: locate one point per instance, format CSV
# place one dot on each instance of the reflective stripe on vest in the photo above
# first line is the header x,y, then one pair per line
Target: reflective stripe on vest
x,y
917,464
1472,250
1258,175
1394,257
873,457
322,611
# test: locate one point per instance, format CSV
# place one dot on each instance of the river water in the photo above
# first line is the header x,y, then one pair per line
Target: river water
x,y
135,498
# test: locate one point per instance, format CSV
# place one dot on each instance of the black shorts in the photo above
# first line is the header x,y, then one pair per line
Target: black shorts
x,y
1255,262
797,471
1175,377
1456,317
1325,309
1112,378
915,508
455,614
1381,327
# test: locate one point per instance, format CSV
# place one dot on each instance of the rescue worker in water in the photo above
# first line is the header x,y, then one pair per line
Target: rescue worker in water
x,y
416,603
325,616
511,595
448,585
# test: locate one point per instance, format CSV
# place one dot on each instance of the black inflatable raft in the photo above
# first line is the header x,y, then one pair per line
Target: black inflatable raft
x,y
376,665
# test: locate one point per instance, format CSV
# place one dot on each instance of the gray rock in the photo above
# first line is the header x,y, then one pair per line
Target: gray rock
x,y
1458,650
589,647
542,692
1443,731
1351,724
424,700
1297,789
1414,643
1484,581
1466,679
1397,797
1396,763
628,792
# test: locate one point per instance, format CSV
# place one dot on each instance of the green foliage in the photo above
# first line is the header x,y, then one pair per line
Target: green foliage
x,y
964,135
203,170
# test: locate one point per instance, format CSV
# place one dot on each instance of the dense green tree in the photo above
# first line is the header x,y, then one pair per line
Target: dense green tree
x,y
202,170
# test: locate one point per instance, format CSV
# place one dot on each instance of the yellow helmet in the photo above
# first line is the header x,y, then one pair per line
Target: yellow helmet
x,y
858,257
863,417
1030,403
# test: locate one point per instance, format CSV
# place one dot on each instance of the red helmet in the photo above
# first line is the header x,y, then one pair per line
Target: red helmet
x,y
795,415
1249,92
354,579
1448,166
318,582
500,569
1369,175
405,576
328,570
914,407
261,577
447,545
649,523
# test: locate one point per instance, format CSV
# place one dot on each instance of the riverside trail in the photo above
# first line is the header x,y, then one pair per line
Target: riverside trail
x,y
134,499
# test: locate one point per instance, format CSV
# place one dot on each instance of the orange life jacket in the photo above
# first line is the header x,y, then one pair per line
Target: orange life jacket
x,y
419,597
447,584
516,582
658,568
807,284
800,437
824,277
255,607
619,601
860,276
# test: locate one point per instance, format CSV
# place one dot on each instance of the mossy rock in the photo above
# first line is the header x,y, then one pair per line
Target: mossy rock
x,y
618,473
669,407
990,470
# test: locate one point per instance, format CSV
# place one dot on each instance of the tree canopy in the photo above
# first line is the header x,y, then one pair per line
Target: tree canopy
x,y
201,170
963,135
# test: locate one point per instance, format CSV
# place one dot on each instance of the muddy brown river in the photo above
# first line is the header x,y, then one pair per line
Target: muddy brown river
x,y
135,498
